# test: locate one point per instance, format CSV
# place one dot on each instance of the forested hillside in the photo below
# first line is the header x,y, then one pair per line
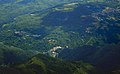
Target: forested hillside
x,y
83,34
12,55
44,30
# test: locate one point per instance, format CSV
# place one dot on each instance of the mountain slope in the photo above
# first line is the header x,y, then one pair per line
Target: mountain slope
x,y
106,59
65,25
13,8
11,55
74,31
41,64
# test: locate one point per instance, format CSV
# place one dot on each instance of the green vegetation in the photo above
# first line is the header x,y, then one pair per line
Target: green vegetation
x,y
86,30
41,64
43,30
12,55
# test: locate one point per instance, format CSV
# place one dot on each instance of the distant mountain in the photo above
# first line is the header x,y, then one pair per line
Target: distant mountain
x,y
10,9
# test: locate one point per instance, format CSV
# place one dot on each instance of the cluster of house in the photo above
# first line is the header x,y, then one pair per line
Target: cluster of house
x,y
23,33
55,51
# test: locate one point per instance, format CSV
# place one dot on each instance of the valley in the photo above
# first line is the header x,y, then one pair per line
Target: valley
x,y
82,36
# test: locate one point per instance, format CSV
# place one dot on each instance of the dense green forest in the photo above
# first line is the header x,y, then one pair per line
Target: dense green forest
x,y
12,55
39,65
43,30
59,37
